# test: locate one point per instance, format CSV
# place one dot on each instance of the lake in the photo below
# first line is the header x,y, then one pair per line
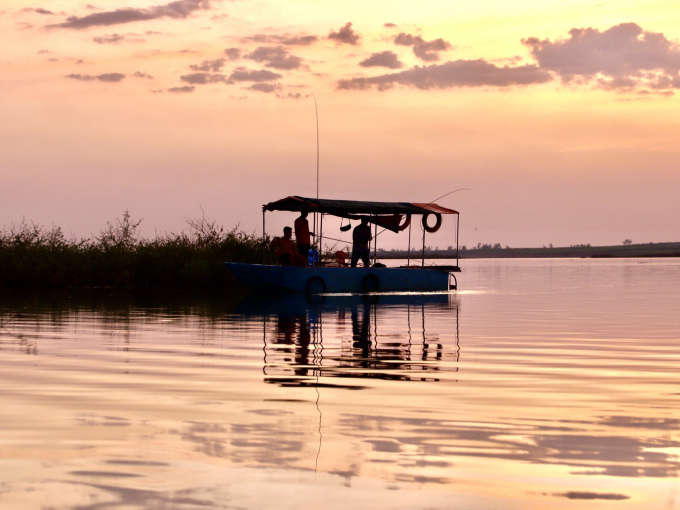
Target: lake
x,y
540,384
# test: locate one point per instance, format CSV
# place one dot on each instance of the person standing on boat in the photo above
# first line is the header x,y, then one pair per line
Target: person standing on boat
x,y
302,234
361,237
284,248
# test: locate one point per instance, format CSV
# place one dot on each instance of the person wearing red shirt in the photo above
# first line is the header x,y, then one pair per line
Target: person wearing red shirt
x,y
302,234
284,248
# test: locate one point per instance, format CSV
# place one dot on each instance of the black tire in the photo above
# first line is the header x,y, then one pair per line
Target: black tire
x,y
316,285
436,226
406,223
453,286
371,283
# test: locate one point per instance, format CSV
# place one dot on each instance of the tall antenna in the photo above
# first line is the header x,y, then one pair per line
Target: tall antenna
x,y
316,110
317,149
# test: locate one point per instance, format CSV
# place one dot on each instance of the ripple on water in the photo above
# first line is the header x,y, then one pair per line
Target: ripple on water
x,y
544,383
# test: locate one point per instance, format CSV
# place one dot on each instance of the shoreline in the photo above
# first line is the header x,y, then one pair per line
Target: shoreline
x,y
654,250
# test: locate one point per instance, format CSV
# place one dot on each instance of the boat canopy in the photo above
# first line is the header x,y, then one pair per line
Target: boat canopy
x,y
345,208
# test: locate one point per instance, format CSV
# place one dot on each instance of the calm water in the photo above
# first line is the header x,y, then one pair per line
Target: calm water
x,y
540,384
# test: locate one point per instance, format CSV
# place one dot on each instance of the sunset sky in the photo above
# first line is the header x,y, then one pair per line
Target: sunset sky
x,y
562,117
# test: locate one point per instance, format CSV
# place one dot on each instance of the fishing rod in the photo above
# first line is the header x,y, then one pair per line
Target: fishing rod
x,y
459,189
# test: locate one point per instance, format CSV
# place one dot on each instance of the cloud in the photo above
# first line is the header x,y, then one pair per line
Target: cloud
x,y
178,10
39,10
111,77
182,90
42,52
382,59
203,78
232,53
458,73
139,74
424,50
286,39
256,75
107,77
404,39
240,74
621,57
346,35
209,65
591,495
428,50
265,87
275,57
300,40
118,38
109,39
390,25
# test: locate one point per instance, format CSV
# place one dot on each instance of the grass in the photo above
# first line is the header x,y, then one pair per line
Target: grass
x,y
34,256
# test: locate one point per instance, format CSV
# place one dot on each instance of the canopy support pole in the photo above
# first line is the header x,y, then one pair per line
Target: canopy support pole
x,y
457,230
408,260
264,246
423,263
375,244
372,240
320,236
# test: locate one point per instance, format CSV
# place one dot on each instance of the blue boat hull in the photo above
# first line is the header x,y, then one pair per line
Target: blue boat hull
x,y
353,280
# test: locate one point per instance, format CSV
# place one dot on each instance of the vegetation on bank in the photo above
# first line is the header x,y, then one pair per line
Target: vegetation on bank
x,y
34,256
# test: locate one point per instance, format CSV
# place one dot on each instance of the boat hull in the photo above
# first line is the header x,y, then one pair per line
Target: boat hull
x,y
317,280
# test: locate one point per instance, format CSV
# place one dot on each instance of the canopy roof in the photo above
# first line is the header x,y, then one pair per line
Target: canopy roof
x,y
345,207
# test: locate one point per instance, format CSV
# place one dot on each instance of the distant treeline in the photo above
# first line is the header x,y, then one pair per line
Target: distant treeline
x,y
583,250
34,256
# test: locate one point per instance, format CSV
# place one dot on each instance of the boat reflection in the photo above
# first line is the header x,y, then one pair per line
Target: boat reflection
x,y
372,337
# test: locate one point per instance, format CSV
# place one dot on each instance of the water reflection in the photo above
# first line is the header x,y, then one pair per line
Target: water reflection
x,y
565,389
295,352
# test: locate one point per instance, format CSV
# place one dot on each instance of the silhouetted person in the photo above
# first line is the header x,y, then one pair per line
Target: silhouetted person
x,y
285,248
285,329
302,234
361,324
361,237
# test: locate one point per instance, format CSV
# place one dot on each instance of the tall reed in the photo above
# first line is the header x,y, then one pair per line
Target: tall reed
x,y
32,255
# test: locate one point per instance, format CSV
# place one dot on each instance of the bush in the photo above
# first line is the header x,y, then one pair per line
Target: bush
x,y
34,256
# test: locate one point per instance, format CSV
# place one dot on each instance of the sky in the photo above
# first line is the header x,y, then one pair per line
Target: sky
x,y
562,117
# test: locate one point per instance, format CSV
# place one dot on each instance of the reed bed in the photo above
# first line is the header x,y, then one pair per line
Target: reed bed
x,y
32,255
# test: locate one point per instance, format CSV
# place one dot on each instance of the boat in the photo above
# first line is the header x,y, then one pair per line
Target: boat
x,y
337,277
